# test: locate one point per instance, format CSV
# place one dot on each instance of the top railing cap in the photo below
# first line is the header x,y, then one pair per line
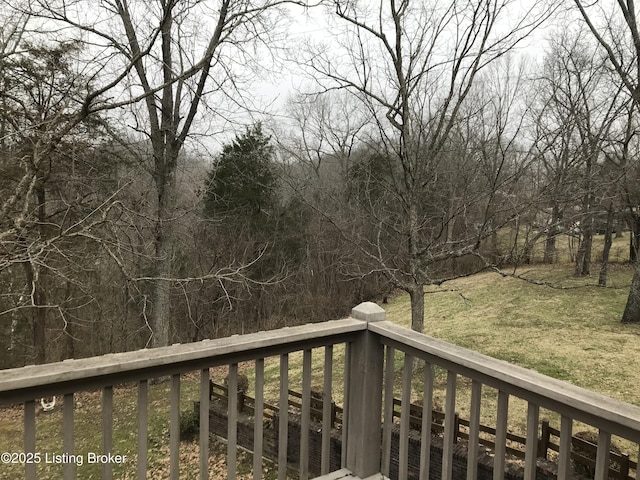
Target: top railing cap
x,y
369,312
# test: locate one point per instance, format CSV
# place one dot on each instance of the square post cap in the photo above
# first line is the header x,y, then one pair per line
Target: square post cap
x,y
369,312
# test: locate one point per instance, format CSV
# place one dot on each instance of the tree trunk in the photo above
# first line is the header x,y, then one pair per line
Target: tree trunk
x,y
583,255
588,245
550,247
416,294
552,233
38,313
619,226
35,285
632,310
608,241
163,270
495,253
634,237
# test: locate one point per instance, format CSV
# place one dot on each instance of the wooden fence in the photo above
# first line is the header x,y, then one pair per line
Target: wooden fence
x,y
549,440
246,404
619,466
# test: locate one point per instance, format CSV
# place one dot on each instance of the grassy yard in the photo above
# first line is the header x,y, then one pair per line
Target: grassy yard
x,y
569,329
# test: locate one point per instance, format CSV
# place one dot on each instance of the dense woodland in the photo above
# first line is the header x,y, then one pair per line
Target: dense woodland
x,y
147,199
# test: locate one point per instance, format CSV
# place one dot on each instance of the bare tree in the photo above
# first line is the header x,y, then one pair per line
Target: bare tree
x,y
46,134
580,106
619,36
412,67
168,57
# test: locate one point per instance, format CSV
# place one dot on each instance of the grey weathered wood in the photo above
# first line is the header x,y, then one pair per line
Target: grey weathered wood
x,y
232,426
602,455
389,372
369,312
345,403
143,410
67,434
283,423
306,415
204,424
474,430
258,439
501,435
564,455
174,428
612,415
449,426
327,410
30,436
531,449
107,430
365,367
405,416
427,408
18,385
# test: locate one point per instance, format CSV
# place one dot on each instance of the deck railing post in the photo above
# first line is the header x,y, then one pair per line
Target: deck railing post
x,y
365,395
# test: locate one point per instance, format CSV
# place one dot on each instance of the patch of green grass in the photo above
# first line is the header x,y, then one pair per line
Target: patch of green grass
x,y
570,331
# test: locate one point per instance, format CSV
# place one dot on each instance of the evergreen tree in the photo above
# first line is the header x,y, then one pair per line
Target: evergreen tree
x,y
242,180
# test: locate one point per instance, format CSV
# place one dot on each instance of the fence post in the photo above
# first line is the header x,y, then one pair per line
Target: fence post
x,y
334,423
545,438
624,466
365,395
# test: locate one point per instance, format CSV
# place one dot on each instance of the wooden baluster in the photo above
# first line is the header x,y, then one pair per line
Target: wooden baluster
x,y
531,448
427,411
405,417
232,424
283,427
205,395
327,410
602,456
258,419
388,410
564,459
306,415
107,430
501,436
174,428
67,434
30,437
345,403
143,409
449,426
474,430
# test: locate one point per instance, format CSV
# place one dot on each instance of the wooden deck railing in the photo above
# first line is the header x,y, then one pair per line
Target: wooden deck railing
x,y
25,385
610,417
369,369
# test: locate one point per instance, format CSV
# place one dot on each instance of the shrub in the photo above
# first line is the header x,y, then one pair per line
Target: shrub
x,y
189,425
243,383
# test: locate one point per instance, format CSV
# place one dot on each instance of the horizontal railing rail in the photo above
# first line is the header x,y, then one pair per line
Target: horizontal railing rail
x,y
35,381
